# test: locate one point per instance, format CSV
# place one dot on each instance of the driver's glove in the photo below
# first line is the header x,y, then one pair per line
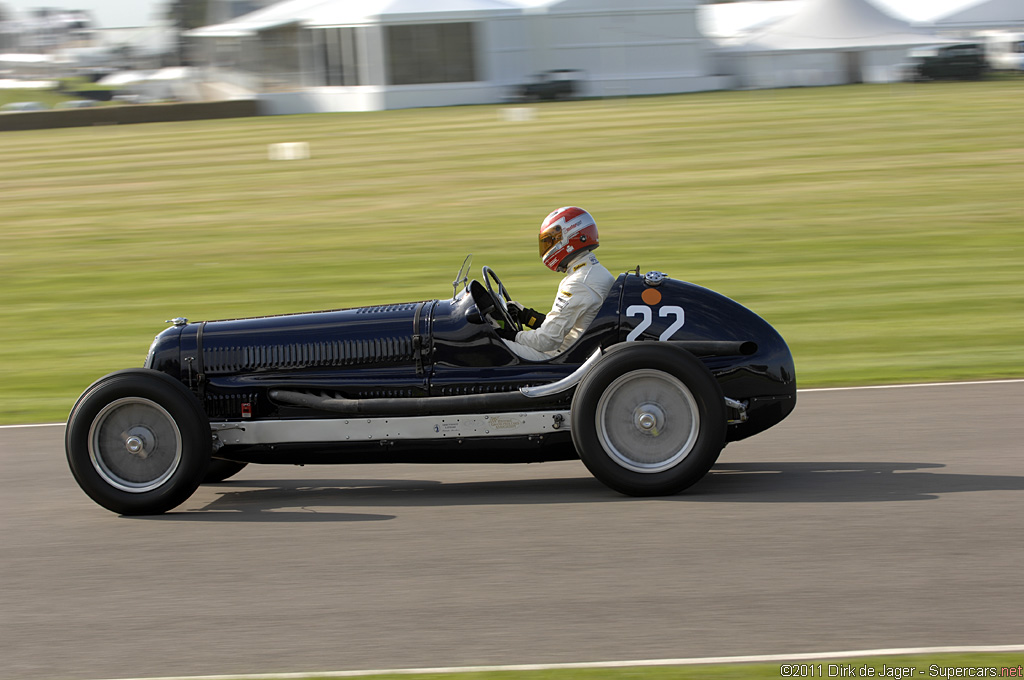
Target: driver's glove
x,y
506,333
529,318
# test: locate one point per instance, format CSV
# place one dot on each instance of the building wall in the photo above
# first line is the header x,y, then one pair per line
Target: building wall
x,y
499,66
789,69
811,68
616,50
621,51
885,65
506,59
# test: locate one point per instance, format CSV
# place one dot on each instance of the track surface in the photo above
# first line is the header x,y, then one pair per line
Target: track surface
x,y
874,518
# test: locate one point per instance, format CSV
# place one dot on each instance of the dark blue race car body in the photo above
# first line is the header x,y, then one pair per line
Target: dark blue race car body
x,y
431,381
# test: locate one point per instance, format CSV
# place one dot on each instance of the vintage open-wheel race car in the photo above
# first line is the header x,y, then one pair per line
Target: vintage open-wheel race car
x,y
666,374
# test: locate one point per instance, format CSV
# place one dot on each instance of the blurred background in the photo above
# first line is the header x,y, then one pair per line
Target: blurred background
x,y
304,56
849,169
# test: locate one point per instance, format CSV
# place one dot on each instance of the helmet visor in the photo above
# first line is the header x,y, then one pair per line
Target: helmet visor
x,y
549,238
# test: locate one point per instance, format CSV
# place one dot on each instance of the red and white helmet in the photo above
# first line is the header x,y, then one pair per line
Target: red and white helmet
x,y
565,233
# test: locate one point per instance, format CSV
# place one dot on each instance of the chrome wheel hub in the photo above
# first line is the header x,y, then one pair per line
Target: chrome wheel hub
x,y
138,441
647,421
134,444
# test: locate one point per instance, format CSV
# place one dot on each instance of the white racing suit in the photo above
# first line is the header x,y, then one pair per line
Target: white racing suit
x,y
580,295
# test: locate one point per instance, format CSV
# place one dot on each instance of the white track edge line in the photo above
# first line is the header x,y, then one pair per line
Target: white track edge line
x,y
15,427
760,658
853,388
805,390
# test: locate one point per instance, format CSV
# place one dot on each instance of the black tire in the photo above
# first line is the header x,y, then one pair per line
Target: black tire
x,y
221,469
138,442
649,419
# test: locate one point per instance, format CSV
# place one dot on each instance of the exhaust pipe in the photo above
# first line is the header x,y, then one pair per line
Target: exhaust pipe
x,y
413,406
526,398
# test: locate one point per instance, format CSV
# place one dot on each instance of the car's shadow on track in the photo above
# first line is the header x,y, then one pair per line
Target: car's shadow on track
x,y
839,482
315,500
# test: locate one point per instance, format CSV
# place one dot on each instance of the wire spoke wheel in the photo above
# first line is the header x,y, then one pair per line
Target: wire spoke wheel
x,y
138,442
647,421
134,444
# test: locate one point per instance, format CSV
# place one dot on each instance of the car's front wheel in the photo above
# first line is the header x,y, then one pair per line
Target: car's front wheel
x,y
138,442
648,419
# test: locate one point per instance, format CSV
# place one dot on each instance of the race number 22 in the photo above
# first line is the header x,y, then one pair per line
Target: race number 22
x,y
646,315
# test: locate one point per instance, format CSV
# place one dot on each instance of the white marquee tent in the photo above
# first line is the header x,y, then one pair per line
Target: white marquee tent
x,y
338,55
991,15
646,47
827,42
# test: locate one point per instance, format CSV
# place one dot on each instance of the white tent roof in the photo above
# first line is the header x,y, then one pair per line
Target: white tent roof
x,y
725,20
349,13
837,24
278,14
616,6
991,14
341,13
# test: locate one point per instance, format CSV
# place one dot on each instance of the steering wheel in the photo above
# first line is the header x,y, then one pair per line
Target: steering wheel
x,y
501,299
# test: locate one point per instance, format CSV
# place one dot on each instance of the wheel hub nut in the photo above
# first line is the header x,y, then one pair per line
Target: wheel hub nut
x,y
649,419
138,441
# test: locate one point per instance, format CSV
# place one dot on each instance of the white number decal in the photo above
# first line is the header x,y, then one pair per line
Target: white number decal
x,y
676,325
646,318
645,322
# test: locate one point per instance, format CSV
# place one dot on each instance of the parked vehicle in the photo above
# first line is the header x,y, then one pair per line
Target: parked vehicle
x,y
664,377
963,61
550,85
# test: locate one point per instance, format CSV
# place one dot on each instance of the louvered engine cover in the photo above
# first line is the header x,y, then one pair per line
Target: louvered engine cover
x,y
348,352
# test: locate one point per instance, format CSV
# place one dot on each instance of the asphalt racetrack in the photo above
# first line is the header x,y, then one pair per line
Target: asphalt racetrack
x,y
872,518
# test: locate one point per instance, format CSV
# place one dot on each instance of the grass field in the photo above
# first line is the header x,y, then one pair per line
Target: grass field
x,y
49,98
879,228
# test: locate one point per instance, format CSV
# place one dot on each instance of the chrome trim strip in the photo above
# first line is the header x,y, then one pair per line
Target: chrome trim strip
x,y
355,429
565,383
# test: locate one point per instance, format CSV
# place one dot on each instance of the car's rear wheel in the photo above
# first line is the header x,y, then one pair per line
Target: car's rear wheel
x,y
138,442
648,419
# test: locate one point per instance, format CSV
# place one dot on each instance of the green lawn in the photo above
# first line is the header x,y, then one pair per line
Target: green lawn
x,y
49,98
879,228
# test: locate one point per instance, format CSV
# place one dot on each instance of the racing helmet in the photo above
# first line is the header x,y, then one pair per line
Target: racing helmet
x,y
565,233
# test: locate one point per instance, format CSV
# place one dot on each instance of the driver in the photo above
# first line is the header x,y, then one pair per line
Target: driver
x,y
567,238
